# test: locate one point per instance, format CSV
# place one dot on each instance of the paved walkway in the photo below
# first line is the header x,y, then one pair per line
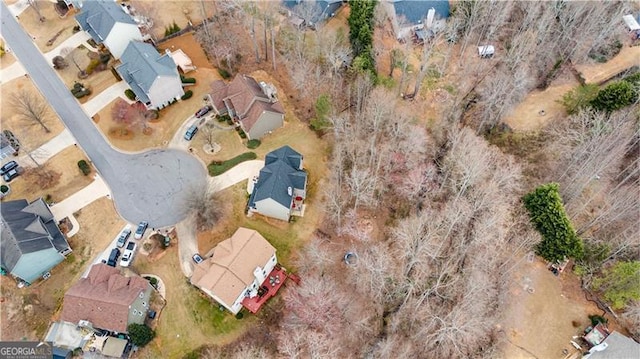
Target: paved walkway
x,y
43,153
105,97
12,72
161,287
97,189
18,7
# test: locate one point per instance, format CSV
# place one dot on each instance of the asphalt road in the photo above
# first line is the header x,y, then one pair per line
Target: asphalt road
x,y
146,186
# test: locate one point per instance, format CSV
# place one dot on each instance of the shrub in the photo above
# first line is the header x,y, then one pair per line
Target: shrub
x,y
4,188
241,133
187,80
219,167
620,284
614,97
187,95
84,167
140,334
224,73
130,95
253,144
579,98
559,240
595,319
229,121
223,118
92,66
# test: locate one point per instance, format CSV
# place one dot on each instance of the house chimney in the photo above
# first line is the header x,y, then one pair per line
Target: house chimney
x,y
430,16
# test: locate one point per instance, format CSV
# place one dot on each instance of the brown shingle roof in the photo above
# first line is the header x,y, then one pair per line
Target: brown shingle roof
x,y
245,96
230,270
103,298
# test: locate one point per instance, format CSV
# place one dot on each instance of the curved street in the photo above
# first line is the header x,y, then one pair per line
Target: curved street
x,y
146,186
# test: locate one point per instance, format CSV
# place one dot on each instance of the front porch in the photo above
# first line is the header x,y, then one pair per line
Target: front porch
x,y
267,289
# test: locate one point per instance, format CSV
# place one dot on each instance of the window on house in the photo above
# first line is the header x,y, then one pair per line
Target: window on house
x,y
135,311
141,295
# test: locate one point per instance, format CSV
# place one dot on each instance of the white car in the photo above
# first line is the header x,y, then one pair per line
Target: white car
x,y
129,252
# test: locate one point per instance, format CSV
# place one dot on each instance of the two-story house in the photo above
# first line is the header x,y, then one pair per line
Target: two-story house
x,y
281,187
251,104
31,242
152,77
107,300
108,24
238,270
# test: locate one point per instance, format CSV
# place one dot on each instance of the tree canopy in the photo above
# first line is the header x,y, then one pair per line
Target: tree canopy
x,y
620,284
559,239
140,334
361,33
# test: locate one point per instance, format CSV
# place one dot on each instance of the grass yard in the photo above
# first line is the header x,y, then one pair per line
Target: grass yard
x,y
30,134
98,81
69,182
47,30
6,60
26,312
190,319
171,118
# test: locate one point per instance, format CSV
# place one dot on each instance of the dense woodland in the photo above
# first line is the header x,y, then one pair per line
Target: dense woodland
x,y
434,209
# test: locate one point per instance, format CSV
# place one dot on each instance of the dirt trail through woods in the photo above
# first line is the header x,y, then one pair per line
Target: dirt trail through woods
x,y
541,107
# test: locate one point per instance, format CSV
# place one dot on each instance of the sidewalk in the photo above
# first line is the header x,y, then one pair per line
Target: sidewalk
x,y
97,189
18,7
105,97
43,153
12,72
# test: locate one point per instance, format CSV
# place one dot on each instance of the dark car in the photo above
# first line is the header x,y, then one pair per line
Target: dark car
x,y
203,111
197,258
113,257
191,132
8,167
142,227
9,176
124,235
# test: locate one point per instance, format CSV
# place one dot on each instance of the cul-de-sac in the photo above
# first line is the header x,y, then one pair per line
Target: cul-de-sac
x,y
319,179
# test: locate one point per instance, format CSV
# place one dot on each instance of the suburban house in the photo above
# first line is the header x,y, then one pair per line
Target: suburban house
x,y
251,104
6,146
242,271
420,18
311,12
108,24
281,186
31,242
605,345
152,77
107,300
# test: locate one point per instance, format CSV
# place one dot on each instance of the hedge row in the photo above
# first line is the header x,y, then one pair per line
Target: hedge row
x,y
217,168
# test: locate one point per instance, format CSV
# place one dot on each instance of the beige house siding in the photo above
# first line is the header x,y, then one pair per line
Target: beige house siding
x,y
271,208
267,122
138,309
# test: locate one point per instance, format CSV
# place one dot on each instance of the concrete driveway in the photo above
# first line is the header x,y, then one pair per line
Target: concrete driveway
x,y
105,97
43,153
145,186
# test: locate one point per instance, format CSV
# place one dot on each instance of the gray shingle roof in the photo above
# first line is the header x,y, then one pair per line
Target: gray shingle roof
x,y
617,346
29,229
99,16
323,8
281,171
141,66
416,10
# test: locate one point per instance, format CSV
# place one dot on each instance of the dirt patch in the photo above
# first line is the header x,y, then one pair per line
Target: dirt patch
x,y
30,134
170,120
26,313
70,181
539,108
188,44
7,60
43,31
541,305
599,73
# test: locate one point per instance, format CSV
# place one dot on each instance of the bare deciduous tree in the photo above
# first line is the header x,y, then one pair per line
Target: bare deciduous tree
x,y
205,205
31,108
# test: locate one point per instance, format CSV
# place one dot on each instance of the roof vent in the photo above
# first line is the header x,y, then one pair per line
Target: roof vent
x,y
290,191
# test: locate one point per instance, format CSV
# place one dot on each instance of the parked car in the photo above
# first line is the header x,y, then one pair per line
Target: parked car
x,y
9,176
8,167
203,111
124,235
113,257
197,258
191,132
142,227
127,257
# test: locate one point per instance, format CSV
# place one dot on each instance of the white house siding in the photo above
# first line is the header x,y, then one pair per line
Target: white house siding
x,y
268,121
120,36
164,90
271,208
